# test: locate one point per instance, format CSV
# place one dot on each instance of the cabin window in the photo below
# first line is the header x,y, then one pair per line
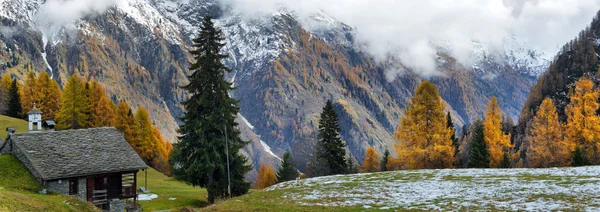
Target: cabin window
x,y
73,187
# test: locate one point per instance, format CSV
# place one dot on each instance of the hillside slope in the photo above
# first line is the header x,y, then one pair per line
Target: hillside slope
x,y
432,190
19,124
576,59
18,191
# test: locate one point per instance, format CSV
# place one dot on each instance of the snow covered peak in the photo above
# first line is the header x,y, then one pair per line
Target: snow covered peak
x,y
512,52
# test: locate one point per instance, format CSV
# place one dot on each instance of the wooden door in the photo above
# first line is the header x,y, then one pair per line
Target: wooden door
x,y
91,183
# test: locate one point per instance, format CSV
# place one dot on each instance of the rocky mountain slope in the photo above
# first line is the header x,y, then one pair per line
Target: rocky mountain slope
x,y
283,73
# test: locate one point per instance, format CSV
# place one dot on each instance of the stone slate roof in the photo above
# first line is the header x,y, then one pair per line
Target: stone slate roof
x,y
76,153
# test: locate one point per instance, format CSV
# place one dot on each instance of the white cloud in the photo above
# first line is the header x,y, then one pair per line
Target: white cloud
x,y
406,28
53,15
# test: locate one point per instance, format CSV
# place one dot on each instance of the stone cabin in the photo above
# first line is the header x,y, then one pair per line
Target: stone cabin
x,y
95,165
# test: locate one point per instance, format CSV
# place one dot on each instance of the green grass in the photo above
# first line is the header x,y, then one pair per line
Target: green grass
x,y
20,124
18,191
186,196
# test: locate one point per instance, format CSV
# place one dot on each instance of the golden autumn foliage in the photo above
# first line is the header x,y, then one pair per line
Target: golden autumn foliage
x,y
498,142
5,82
48,95
103,109
124,122
145,145
74,105
423,141
371,162
28,91
546,146
266,177
583,125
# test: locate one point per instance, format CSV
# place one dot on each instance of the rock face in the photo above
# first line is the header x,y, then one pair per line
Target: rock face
x,y
139,50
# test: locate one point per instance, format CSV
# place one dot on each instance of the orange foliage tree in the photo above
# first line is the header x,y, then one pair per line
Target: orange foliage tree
x,y
125,122
371,162
423,140
28,91
48,95
266,177
546,146
102,113
498,143
259,183
583,125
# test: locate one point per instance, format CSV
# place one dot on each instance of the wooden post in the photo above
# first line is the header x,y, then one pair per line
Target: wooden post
x,y
146,180
135,189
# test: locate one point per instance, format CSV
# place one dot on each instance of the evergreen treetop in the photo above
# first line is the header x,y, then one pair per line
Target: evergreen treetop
x,y
287,171
14,101
479,156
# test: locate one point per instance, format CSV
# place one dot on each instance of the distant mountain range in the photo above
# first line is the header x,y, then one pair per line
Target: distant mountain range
x,y
283,73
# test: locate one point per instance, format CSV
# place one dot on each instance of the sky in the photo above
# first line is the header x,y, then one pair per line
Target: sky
x,y
406,29
403,29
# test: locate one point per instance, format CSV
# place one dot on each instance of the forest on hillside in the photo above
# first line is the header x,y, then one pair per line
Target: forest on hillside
x,y
84,104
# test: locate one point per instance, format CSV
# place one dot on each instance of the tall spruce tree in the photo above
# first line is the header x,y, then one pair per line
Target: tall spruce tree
x,y
200,156
331,147
479,156
287,171
14,101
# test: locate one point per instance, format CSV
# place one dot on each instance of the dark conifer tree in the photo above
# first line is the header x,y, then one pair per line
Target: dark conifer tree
x,y
200,156
287,171
14,101
330,145
450,125
384,161
479,156
351,166
505,163
578,157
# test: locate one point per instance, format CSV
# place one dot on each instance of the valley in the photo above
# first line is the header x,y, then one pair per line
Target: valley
x,y
247,105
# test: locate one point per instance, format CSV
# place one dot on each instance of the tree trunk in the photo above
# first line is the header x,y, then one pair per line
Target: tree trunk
x,y
211,194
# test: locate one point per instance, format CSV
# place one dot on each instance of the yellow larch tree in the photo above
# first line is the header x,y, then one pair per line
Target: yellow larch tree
x,y
49,95
5,84
259,183
270,177
498,142
74,109
28,92
145,144
371,162
125,122
423,140
102,109
583,125
546,145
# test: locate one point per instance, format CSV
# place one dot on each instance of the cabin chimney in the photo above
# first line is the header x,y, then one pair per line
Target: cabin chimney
x,y
10,130
35,119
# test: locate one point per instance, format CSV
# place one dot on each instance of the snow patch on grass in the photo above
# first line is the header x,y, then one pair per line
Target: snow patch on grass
x,y
487,189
